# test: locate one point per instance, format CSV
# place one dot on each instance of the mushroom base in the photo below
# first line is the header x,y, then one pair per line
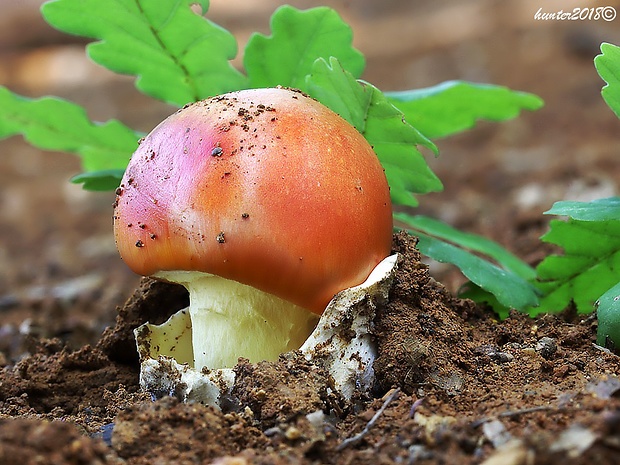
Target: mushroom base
x,y
231,320
342,343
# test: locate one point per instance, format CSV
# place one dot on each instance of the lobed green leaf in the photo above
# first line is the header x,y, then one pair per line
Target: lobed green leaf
x,y
177,55
454,106
492,269
590,239
298,38
55,124
596,210
383,126
608,66
587,268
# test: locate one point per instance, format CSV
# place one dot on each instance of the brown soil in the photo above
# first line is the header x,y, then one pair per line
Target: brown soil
x,y
453,384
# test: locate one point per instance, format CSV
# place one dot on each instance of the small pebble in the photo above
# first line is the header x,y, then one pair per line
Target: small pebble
x,y
546,347
292,433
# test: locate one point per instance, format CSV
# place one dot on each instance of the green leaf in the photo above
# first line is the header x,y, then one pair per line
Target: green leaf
x,y
471,242
177,55
608,315
54,124
588,267
596,210
298,38
608,66
455,106
103,180
506,280
383,126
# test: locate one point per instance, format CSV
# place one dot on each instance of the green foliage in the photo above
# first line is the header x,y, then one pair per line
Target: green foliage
x,y
608,305
383,125
590,239
102,180
54,124
496,274
298,39
608,66
587,272
455,106
179,56
595,210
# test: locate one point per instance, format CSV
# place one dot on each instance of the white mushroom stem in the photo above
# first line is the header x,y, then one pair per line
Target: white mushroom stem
x,y
232,320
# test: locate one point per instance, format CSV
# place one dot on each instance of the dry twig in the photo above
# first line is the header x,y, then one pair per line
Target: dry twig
x,y
358,437
513,413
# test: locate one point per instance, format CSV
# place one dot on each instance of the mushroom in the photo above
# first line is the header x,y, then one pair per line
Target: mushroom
x,y
264,204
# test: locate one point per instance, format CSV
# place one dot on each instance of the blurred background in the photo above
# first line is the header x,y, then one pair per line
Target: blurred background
x,y
60,274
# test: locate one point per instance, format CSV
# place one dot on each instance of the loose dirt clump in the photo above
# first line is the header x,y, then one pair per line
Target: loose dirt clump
x,y
280,392
453,385
28,441
420,333
59,383
153,301
180,433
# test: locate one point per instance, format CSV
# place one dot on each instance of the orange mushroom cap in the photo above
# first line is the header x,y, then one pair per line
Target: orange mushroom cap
x,y
266,187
